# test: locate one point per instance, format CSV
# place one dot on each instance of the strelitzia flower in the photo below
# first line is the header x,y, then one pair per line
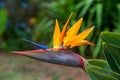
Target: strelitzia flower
x,y
62,40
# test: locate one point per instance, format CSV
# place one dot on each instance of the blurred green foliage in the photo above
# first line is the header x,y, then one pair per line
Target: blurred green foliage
x,y
3,21
35,20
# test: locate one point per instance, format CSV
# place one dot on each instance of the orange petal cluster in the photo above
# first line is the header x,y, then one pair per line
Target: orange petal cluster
x,y
70,38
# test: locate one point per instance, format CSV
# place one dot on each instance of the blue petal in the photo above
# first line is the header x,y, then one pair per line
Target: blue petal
x,y
35,44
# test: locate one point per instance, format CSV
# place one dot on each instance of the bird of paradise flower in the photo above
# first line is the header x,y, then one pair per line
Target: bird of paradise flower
x,y
62,40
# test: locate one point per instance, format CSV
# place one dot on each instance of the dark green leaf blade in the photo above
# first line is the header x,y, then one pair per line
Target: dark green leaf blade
x,y
111,38
99,73
98,62
112,55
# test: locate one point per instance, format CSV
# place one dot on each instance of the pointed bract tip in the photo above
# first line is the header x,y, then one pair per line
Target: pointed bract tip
x,y
17,52
28,52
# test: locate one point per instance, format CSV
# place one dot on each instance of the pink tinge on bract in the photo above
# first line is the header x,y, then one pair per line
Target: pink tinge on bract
x,y
27,52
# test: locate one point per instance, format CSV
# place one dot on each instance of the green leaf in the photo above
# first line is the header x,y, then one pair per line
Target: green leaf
x,y
96,51
98,62
99,9
2,21
111,38
86,7
99,73
112,55
82,50
79,5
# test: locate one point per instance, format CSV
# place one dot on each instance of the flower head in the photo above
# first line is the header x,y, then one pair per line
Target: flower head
x,y
61,41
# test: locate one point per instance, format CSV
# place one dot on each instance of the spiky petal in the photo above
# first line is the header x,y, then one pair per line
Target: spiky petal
x,y
73,31
56,36
84,34
63,33
79,39
82,42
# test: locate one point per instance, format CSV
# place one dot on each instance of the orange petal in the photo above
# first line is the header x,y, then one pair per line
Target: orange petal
x,y
79,37
84,34
64,29
73,30
82,42
56,37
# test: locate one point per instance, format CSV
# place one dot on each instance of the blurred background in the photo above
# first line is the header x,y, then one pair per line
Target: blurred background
x,y
35,20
